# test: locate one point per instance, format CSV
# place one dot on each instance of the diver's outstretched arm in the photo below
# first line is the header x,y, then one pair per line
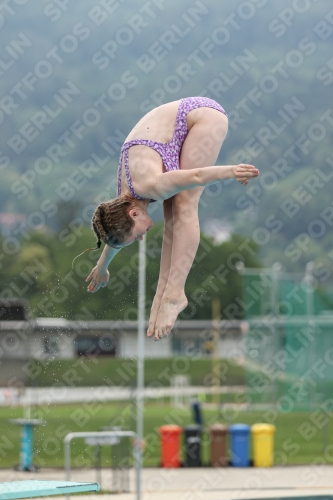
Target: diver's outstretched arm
x,y
100,275
168,184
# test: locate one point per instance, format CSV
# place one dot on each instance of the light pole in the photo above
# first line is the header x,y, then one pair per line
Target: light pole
x,y
141,354
309,289
309,311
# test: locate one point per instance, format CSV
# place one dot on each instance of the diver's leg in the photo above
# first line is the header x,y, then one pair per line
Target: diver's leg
x,y
200,149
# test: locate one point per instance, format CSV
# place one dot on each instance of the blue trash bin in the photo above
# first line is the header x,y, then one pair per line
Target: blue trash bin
x,y
239,442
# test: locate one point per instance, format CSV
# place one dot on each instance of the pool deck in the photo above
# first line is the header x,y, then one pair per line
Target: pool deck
x,y
204,483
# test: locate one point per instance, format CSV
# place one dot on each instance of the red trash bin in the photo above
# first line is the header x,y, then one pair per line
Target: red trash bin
x,y
170,445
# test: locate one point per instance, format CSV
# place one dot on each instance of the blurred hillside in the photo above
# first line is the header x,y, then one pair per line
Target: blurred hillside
x,y
77,75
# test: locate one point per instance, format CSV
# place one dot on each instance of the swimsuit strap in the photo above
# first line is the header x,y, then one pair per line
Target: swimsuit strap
x,y
124,150
181,129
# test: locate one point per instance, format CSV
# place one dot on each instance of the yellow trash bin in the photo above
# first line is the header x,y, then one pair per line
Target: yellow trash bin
x,y
263,444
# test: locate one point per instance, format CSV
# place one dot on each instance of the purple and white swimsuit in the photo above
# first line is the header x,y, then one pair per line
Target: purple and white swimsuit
x,y
169,151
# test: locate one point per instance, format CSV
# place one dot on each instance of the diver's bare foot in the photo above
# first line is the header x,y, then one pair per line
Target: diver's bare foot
x,y
168,313
153,315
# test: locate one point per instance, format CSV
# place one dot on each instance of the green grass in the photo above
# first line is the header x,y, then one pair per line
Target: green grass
x,y
291,445
114,371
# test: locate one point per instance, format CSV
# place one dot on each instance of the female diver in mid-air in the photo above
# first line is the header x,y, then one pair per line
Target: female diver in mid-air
x,y
169,155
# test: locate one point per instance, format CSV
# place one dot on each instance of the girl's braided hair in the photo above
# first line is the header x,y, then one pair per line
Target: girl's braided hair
x,y
111,221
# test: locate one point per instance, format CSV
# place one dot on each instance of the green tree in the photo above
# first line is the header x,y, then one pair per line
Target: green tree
x,y
41,272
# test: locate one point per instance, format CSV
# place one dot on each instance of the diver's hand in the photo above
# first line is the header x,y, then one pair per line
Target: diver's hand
x,y
97,278
244,172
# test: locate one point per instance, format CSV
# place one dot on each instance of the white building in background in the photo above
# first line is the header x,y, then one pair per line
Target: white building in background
x,y
23,338
10,221
53,338
219,229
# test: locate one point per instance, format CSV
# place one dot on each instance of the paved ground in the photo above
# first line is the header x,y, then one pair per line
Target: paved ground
x,y
204,483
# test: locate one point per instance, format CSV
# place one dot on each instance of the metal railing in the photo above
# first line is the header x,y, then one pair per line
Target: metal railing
x,y
136,451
